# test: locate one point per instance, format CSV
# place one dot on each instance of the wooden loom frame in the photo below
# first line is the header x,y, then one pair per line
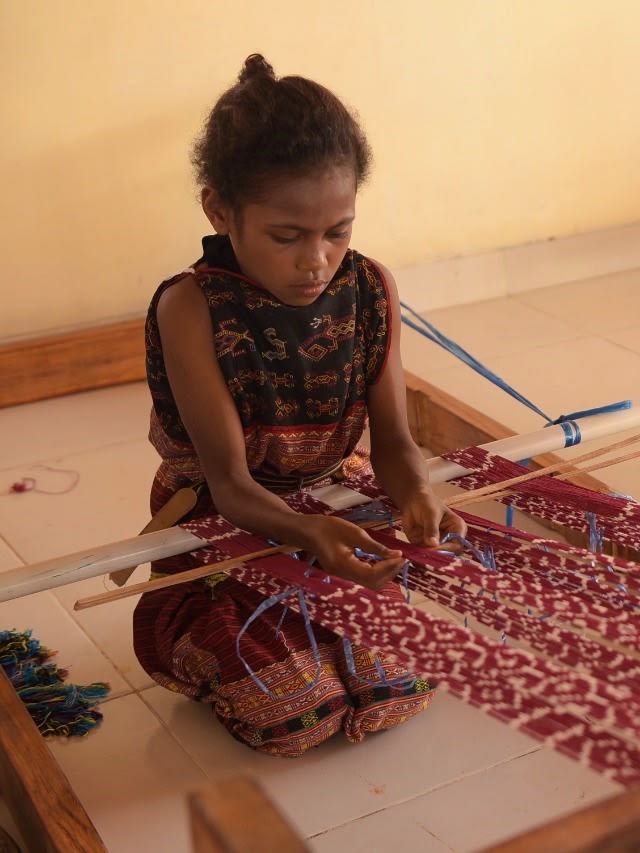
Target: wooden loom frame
x,y
46,809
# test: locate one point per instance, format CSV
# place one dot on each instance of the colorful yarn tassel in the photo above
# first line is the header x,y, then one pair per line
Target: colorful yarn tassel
x,y
57,708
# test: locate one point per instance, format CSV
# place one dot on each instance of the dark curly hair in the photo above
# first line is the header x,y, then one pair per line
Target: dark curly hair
x,y
263,128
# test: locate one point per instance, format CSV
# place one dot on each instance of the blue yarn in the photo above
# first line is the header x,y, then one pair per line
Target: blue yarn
x,y
278,598
56,707
572,431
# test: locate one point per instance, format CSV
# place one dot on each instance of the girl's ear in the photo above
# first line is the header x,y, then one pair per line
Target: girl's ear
x,y
217,212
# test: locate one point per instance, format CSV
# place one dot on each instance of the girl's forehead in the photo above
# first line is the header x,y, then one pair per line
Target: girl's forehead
x,y
331,191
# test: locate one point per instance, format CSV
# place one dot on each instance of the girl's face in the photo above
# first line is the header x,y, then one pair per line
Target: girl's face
x,y
293,241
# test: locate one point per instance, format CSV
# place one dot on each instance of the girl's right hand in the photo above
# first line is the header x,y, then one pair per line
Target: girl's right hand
x,y
333,542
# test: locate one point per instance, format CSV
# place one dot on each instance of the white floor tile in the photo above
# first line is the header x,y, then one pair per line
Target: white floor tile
x,y
8,557
61,426
447,742
505,800
110,626
626,338
49,623
596,305
479,810
380,832
485,330
109,502
132,778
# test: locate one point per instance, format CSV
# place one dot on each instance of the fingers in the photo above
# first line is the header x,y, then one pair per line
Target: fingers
x,y
376,574
347,551
375,565
428,522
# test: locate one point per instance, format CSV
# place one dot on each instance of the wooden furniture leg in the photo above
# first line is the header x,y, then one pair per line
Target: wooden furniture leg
x,y
236,816
38,794
612,826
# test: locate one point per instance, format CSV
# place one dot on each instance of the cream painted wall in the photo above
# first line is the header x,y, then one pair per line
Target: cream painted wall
x,y
494,123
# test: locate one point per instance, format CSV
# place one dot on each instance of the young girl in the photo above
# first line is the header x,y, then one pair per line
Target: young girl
x,y
265,360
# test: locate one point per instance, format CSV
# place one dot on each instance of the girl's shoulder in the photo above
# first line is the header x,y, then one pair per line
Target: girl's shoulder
x,y
370,275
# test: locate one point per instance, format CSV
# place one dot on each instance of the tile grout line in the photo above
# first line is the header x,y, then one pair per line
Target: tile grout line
x,y
463,776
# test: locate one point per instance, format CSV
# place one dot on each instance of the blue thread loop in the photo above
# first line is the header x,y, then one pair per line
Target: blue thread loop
x,y
262,607
376,558
404,681
487,560
596,534
373,511
620,406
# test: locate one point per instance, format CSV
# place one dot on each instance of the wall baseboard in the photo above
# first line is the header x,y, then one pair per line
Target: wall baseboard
x,y
95,357
504,272
55,365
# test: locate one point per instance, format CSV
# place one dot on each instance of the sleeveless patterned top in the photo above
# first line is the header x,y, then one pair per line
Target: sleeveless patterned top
x,y
298,375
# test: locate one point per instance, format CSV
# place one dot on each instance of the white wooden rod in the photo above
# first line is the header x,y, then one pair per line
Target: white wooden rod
x,y
146,547
101,560
545,440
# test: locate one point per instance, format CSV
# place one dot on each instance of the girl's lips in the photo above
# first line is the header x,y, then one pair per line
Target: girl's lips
x,y
310,286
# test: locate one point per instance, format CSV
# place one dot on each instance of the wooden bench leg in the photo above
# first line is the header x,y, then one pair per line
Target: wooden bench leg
x,y
612,826
236,816
38,794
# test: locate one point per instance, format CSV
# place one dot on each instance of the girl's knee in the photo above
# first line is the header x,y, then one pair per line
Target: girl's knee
x,y
373,713
292,736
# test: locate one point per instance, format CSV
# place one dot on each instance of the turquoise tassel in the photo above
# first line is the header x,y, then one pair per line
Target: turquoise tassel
x,y
57,708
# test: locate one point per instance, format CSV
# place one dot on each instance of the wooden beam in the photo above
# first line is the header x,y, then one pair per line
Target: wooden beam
x,y
442,423
38,794
612,826
55,365
236,816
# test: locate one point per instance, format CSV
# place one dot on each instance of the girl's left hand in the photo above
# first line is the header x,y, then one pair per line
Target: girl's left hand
x,y
426,519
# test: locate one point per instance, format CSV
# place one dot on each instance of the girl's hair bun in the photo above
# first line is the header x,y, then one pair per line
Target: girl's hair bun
x,y
265,128
255,66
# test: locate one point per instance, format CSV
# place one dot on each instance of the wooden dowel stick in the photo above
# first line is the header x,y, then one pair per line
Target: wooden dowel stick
x,y
100,560
179,577
194,574
567,475
494,489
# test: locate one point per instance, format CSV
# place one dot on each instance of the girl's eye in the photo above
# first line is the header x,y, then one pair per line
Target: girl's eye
x,y
282,240
338,235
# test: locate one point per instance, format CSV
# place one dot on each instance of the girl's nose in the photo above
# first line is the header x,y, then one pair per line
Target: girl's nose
x,y
311,259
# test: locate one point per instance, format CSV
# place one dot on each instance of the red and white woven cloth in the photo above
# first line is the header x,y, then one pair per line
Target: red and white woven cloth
x,y
563,664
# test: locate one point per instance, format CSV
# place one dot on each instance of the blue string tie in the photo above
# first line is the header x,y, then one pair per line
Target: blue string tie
x,y
376,558
487,559
403,681
571,429
260,609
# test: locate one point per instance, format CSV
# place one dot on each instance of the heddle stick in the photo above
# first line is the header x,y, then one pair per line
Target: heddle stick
x,y
626,457
494,490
